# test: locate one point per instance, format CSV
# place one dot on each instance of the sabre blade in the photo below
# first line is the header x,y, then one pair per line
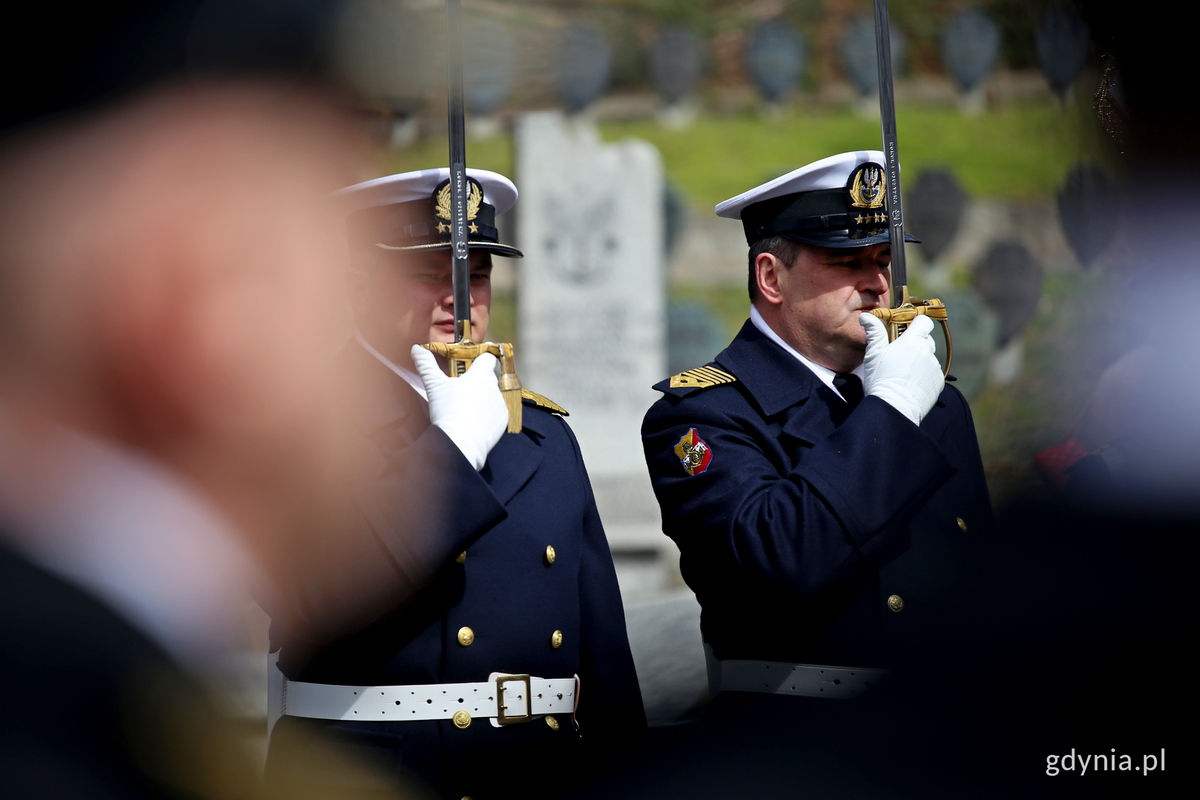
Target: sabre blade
x,y
935,309
464,351
891,154
460,252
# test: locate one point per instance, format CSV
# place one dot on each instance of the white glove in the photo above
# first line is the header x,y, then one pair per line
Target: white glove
x,y
904,373
469,409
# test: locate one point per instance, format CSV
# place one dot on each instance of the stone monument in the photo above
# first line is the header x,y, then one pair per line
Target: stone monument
x,y
1009,279
975,329
1062,41
775,58
591,313
936,203
858,55
675,61
970,49
387,54
583,65
1089,209
489,68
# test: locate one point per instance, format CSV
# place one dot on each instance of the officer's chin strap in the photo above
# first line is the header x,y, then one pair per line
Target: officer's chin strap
x,y
460,354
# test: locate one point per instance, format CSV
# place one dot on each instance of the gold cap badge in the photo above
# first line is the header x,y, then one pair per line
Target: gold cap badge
x,y
442,205
866,186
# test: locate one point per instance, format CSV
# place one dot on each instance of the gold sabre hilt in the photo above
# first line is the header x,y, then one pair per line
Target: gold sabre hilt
x,y
460,354
898,319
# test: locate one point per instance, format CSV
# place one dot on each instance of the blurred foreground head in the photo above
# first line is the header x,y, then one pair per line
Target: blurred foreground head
x,y
1140,423
169,287
170,278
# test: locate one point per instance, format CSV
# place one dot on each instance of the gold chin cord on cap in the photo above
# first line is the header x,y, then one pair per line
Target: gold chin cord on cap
x,y
461,354
899,318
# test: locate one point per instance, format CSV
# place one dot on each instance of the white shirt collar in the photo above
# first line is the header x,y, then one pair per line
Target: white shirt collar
x,y
132,533
824,373
413,379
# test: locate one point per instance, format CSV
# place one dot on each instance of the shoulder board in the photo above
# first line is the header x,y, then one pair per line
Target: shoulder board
x,y
701,378
543,402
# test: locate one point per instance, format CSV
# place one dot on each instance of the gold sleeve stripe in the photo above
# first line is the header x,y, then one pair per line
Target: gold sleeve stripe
x,y
701,378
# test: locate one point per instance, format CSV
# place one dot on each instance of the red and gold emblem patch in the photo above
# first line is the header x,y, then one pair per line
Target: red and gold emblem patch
x,y
693,452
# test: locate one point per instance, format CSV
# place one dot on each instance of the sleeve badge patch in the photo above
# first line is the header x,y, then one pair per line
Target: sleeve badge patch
x,y
693,452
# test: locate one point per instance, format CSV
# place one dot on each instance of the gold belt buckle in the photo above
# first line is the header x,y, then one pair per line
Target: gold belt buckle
x,y
512,719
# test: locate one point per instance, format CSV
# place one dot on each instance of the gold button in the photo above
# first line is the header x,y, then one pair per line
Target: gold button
x,y
465,636
552,722
556,639
549,554
896,602
462,720
461,557
962,525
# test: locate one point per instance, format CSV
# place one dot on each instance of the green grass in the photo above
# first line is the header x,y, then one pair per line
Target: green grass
x,y
1015,152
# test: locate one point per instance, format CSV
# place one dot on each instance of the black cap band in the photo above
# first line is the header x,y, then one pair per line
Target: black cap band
x,y
411,224
853,216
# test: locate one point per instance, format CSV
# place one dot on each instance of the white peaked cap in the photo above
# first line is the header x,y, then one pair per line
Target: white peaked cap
x,y
498,191
828,173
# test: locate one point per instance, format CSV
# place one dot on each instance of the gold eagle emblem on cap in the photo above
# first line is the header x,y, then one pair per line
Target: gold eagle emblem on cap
x,y
443,207
866,187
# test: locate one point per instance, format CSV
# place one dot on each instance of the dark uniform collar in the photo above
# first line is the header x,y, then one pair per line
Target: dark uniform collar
x,y
774,378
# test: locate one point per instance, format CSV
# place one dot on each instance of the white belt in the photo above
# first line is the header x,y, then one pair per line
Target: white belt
x,y
777,677
503,698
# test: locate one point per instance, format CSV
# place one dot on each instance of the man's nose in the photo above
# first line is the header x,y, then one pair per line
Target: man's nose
x,y
877,280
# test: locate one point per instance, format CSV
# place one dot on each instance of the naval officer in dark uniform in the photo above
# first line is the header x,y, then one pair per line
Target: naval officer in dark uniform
x,y
814,472
470,554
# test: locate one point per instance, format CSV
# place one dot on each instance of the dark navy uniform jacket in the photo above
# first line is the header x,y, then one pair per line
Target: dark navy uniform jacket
x,y
436,548
90,707
797,519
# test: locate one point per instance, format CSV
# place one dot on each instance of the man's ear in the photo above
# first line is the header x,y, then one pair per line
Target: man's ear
x,y
767,273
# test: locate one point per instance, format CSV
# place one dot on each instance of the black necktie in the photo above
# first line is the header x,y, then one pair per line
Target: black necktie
x,y
850,387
